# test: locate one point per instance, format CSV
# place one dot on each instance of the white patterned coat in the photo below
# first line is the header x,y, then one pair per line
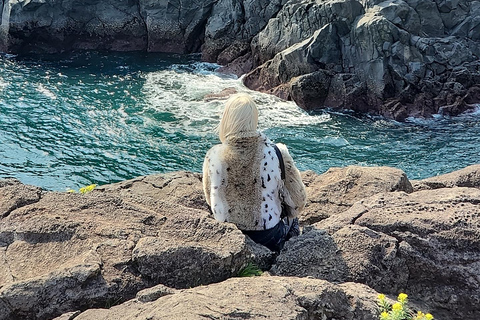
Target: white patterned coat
x,y
243,185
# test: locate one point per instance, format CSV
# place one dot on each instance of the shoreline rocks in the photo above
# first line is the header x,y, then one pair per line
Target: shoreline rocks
x,y
393,58
149,247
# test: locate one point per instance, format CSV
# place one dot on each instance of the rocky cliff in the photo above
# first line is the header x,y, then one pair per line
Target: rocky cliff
x,y
395,58
148,248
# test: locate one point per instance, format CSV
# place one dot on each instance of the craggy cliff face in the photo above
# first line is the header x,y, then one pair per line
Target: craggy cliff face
x,y
395,58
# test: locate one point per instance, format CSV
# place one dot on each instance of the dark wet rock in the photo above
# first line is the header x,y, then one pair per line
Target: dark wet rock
x,y
233,24
394,58
57,26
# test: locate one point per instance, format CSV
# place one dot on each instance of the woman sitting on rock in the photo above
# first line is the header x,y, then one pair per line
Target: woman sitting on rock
x,y
242,178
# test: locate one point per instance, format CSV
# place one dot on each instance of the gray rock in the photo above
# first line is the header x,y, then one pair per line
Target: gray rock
x,y
394,58
339,188
152,294
253,298
466,177
434,247
232,25
297,21
65,252
54,26
175,25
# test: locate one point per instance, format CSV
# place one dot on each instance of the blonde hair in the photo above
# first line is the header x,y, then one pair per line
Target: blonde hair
x,y
240,117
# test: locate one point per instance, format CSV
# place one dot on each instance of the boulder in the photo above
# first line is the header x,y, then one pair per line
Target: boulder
x,y
252,298
339,188
62,252
14,195
425,243
181,187
353,253
466,177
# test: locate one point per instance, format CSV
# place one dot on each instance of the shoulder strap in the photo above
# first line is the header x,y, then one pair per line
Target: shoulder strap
x,y
280,159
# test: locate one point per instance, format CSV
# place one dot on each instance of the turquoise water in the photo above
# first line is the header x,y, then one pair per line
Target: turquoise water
x,y
67,121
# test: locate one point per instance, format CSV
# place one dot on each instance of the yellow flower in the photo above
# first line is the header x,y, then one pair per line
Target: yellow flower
x,y
384,315
429,316
402,297
87,188
381,297
397,307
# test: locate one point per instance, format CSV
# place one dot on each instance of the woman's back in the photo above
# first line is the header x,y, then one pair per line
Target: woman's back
x,y
245,182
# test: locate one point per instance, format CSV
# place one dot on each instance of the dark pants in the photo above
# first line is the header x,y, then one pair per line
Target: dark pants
x,y
274,238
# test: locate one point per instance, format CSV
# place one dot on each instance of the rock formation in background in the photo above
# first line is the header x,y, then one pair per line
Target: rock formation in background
x,y
148,247
395,58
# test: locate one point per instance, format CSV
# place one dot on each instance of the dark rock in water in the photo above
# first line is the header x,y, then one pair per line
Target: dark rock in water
x,y
233,24
57,26
175,26
222,95
394,58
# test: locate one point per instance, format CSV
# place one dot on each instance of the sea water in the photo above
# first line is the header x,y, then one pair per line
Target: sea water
x,y
71,120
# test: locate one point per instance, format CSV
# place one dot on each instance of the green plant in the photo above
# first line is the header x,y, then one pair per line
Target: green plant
x,y
399,310
83,190
250,270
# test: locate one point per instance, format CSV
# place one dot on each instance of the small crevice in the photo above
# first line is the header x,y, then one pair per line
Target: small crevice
x,y
165,184
9,270
354,219
144,22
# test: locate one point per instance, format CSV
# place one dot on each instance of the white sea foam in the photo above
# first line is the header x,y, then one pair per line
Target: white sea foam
x,y
476,111
46,92
183,95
